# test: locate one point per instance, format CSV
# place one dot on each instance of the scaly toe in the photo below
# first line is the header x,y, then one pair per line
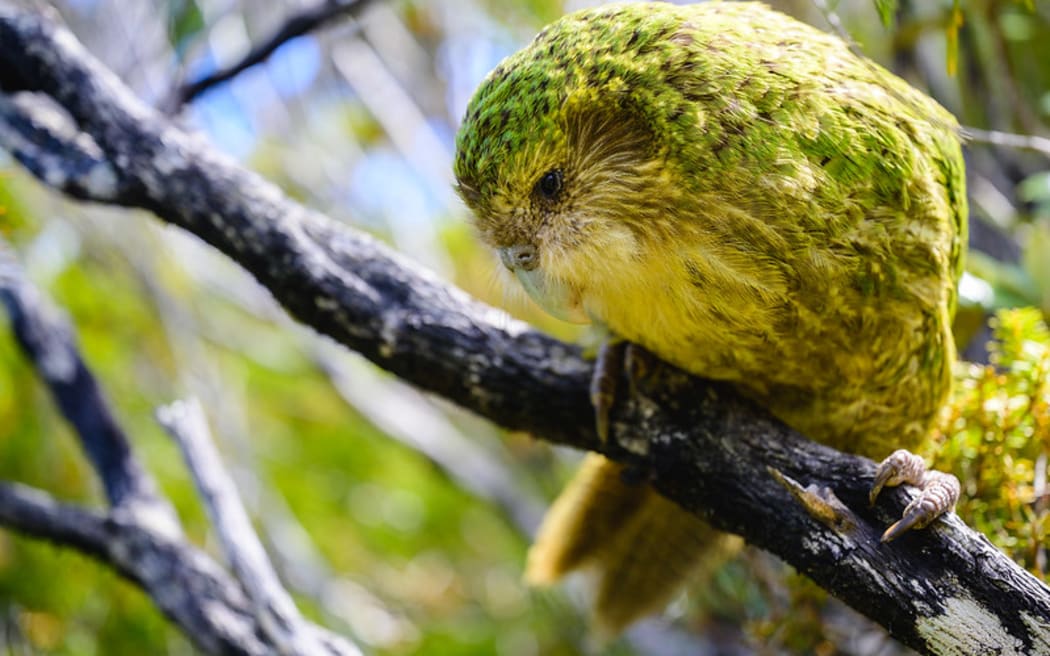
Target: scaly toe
x,y
939,493
902,466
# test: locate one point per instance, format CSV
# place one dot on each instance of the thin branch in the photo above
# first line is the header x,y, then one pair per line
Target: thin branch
x,y
185,583
294,553
277,613
1007,139
46,339
36,513
140,536
942,590
295,25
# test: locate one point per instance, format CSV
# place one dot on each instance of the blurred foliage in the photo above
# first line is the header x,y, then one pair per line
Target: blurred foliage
x,y
185,21
373,538
440,568
995,437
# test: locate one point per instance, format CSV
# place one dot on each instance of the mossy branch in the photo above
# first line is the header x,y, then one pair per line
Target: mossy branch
x,y
945,590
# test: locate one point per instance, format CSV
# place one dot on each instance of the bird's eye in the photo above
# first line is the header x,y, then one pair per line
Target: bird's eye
x,y
549,185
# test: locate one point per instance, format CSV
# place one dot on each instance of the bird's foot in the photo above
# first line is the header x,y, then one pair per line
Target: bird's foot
x,y
608,368
617,359
938,491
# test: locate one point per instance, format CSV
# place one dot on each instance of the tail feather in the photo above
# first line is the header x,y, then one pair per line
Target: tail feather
x,y
641,546
653,557
583,522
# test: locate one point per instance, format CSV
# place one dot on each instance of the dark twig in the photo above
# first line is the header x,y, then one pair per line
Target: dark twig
x,y
48,342
943,590
298,24
140,536
185,583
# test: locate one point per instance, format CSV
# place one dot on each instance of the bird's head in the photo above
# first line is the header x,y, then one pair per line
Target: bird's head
x,y
558,160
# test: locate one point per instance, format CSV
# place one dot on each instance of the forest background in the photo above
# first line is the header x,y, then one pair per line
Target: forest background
x,y
394,517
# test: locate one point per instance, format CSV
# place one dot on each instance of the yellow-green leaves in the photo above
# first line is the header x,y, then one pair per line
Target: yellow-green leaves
x,y
995,436
951,31
887,9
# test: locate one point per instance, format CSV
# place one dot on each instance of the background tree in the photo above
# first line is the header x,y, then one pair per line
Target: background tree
x,y
413,546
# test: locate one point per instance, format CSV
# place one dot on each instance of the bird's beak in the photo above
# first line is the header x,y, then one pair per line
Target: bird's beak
x,y
520,256
554,296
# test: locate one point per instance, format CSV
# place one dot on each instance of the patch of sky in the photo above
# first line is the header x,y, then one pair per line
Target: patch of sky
x,y
294,66
467,59
201,66
383,185
225,121
83,6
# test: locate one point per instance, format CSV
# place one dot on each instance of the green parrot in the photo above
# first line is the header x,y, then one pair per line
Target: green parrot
x,y
749,200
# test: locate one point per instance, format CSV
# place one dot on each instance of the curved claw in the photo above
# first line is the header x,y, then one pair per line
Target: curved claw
x,y
939,493
913,518
902,466
882,476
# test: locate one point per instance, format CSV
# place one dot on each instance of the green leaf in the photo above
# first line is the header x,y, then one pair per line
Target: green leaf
x,y
887,11
955,21
185,20
1035,188
1036,261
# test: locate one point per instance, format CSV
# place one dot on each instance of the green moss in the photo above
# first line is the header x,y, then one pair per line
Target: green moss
x,y
995,436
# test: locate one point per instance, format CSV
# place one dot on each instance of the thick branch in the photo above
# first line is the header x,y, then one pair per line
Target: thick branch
x,y
340,282
944,590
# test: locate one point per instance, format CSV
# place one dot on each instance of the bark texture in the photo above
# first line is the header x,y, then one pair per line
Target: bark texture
x,y
944,590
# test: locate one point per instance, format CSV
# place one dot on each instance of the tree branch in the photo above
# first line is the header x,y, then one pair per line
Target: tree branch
x,y
280,619
945,590
1008,139
342,283
140,536
185,583
295,25
47,340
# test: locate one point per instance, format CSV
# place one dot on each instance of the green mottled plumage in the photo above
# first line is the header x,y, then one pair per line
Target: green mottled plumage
x,y
814,201
742,195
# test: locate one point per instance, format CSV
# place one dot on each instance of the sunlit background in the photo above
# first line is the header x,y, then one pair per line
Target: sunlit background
x,y
394,518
